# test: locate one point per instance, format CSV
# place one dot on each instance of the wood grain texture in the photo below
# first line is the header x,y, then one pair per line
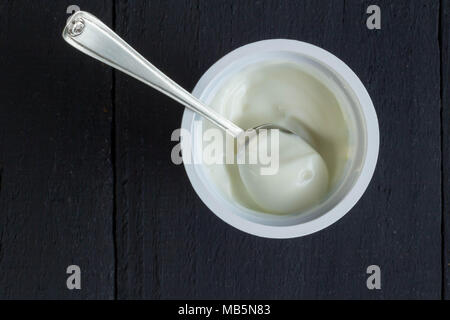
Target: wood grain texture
x,y
86,176
55,171
445,116
169,245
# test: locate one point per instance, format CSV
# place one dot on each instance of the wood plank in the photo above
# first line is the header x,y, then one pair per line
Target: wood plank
x,y
445,116
171,246
56,180
153,195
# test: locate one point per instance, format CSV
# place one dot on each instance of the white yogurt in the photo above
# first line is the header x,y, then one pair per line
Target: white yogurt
x,y
301,179
282,93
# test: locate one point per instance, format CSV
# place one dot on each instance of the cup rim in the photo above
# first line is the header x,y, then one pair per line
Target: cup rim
x,y
369,163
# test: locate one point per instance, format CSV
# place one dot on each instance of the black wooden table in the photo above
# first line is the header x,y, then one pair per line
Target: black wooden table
x,y
86,177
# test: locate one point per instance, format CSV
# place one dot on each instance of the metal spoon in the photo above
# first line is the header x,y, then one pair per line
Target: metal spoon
x,y
92,37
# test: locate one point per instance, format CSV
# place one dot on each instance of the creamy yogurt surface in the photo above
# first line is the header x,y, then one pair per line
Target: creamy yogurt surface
x,y
301,178
284,94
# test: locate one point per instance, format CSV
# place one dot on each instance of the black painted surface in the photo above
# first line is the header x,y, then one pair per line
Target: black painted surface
x,y
445,112
86,176
172,246
56,176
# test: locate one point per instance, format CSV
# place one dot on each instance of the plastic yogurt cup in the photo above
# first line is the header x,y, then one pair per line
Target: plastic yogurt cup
x,y
363,128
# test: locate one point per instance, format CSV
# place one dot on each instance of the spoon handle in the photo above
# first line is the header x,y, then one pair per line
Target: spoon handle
x,y
92,37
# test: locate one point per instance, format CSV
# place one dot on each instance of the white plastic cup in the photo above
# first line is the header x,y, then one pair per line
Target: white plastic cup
x,y
364,139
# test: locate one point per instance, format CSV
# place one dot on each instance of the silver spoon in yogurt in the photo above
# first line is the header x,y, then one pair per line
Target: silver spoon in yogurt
x,y
92,37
